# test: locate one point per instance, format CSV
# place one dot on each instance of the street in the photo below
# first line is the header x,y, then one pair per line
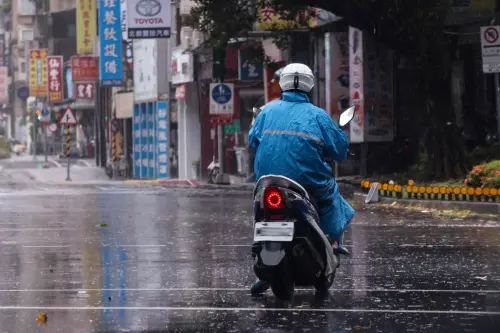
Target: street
x,y
132,259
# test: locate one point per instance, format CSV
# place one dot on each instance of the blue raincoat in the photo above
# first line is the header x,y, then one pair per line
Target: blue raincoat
x,y
293,138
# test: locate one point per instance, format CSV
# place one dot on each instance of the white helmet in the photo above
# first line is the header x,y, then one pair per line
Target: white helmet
x,y
297,77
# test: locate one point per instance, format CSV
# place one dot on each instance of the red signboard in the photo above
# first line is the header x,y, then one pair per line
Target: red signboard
x,y
85,90
55,78
4,86
84,68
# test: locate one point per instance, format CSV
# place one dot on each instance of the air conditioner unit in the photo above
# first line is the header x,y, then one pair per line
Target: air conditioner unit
x,y
186,38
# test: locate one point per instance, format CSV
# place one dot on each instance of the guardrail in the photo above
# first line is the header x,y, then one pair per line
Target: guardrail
x,y
422,192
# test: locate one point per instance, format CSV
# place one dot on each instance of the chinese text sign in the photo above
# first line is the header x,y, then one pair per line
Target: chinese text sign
x,y
4,91
162,139
137,141
55,78
84,69
110,41
38,72
86,26
151,140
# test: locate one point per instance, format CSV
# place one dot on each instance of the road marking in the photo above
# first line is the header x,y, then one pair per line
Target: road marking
x,y
56,163
232,309
46,246
135,245
465,291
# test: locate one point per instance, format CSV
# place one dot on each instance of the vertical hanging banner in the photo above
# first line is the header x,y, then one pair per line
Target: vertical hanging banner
x,y
55,78
86,26
137,140
110,44
151,140
357,126
38,72
162,139
4,86
144,141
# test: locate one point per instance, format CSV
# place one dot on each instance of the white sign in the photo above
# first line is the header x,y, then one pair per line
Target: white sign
x,y
221,98
356,90
145,77
490,47
182,66
149,18
68,118
123,19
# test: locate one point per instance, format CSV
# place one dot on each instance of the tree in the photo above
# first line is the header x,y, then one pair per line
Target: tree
x,y
415,29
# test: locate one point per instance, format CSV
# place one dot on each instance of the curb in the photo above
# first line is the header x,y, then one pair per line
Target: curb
x,y
475,207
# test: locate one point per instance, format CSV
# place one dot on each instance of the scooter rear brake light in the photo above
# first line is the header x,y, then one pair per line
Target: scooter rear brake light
x,y
273,198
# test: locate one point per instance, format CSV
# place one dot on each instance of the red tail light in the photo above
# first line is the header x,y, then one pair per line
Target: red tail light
x,y
273,198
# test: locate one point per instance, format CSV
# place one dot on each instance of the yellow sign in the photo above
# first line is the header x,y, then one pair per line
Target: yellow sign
x,y
38,72
270,19
86,26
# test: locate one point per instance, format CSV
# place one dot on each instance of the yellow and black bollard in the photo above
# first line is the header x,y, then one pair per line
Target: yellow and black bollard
x,y
68,149
113,147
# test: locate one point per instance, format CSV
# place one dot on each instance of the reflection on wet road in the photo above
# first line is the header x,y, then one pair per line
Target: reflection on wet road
x,y
109,259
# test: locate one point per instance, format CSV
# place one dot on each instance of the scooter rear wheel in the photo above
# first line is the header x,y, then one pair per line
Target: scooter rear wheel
x,y
283,286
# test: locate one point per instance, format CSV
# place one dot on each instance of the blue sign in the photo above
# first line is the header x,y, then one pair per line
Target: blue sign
x,y
221,93
151,140
249,70
110,44
162,138
144,141
45,112
137,141
23,93
69,82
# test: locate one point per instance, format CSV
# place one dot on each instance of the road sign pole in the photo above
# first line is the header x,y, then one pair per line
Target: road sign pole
x,y
497,98
220,147
33,113
68,150
46,145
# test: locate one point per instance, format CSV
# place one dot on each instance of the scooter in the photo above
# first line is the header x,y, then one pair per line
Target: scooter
x,y
213,170
289,248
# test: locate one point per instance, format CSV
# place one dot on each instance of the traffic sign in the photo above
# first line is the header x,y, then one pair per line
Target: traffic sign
x,y
490,47
45,112
68,118
248,69
114,125
221,98
53,128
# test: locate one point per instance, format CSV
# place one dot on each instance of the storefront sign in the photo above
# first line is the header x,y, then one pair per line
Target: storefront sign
x,y
85,90
145,76
337,73
86,26
38,72
249,70
137,141
356,90
4,86
182,66
270,19
180,92
148,19
55,78
84,68
162,141
110,44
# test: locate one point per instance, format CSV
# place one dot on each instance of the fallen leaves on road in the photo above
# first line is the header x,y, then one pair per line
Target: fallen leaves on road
x,y
102,225
42,318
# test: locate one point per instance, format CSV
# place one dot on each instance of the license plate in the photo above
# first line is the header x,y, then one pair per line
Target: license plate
x,y
273,231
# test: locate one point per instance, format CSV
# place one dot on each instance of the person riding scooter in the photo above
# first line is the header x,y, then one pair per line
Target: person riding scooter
x,y
293,138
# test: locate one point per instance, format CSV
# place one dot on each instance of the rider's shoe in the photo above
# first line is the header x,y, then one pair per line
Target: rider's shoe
x,y
259,287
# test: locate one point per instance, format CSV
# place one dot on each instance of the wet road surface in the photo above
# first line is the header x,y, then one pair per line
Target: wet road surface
x,y
111,259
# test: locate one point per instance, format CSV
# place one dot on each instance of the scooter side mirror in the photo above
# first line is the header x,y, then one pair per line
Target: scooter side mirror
x,y
347,116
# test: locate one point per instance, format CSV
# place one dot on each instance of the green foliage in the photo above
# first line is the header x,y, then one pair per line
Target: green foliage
x,y
4,149
484,175
485,154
